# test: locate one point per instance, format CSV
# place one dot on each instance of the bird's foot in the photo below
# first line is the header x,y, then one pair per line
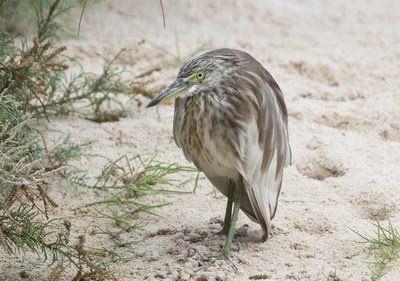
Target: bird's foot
x,y
223,231
223,255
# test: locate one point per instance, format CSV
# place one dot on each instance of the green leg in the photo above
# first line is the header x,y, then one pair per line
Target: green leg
x,y
228,215
237,199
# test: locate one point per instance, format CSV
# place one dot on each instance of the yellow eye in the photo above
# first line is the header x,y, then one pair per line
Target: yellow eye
x,y
200,75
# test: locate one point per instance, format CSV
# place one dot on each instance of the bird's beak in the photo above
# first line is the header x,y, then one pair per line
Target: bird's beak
x,y
172,91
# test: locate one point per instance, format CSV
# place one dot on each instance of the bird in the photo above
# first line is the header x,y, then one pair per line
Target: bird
x,y
231,122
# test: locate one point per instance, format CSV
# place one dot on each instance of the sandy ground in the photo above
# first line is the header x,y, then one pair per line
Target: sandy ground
x,y
338,64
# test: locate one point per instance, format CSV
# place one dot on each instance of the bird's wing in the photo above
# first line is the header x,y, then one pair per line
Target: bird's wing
x,y
265,152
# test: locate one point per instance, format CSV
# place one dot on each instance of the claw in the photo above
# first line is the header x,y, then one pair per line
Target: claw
x,y
223,231
223,255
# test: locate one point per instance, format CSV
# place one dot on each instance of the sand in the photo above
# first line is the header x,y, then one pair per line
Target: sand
x,y
338,64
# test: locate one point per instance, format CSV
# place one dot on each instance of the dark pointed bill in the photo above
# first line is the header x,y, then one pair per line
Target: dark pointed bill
x,y
169,92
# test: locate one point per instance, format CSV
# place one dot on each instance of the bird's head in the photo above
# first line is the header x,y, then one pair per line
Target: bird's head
x,y
198,75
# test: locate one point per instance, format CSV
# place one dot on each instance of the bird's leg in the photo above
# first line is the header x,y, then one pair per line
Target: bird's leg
x,y
237,199
228,214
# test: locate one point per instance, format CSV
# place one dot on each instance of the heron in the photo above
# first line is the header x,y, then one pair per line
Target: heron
x,y
231,121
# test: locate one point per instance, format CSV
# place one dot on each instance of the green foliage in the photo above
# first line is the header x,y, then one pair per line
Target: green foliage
x,y
64,150
24,202
21,168
385,249
123,181
138,174
34,84
39,83
46,15
91,90
26,16
36,75
29,74
29,78
20,228
7,49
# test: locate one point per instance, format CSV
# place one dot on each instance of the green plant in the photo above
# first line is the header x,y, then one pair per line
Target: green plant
x,y
28,77
384,248
92,91
34,84
25,168
123,181
36,75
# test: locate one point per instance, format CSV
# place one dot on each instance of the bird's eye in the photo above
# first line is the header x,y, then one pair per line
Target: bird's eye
x,y
200,75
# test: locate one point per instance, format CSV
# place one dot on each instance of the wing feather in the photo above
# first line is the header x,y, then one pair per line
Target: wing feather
x,y
266,152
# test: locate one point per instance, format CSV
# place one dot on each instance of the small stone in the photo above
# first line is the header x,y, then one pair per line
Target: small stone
x,y
23,274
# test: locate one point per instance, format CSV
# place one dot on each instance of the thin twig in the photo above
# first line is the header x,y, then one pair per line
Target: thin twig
x,y
163,13
46,149
42,104
148,71
81,16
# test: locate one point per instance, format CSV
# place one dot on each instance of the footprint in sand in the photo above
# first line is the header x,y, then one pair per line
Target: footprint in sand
x,y
318,164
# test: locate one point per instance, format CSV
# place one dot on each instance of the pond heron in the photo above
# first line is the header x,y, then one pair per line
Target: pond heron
x,y
231,121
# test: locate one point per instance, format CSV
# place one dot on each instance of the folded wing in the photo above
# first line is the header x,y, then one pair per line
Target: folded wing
x,y
266,152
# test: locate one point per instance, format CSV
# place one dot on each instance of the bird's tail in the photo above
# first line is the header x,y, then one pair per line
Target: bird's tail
x,y
252,210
